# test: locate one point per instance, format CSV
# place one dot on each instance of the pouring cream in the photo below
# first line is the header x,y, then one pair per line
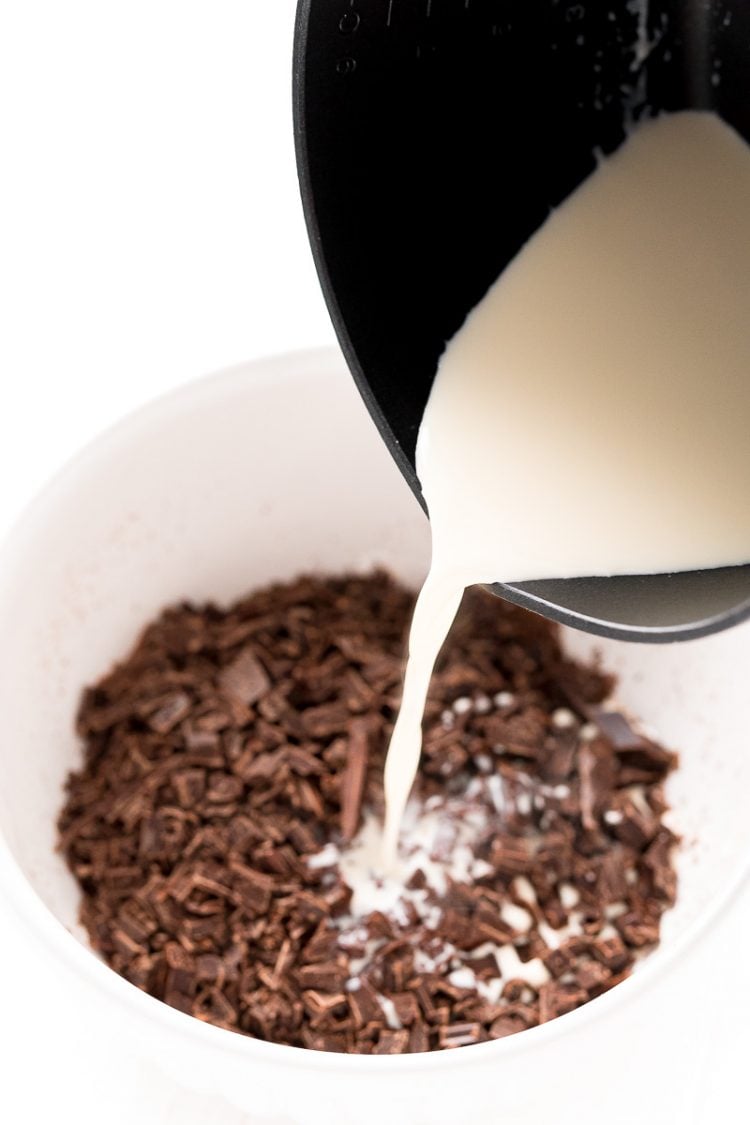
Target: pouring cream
x,y
591,416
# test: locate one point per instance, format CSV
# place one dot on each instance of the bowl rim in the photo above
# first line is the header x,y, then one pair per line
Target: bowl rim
x,y
46,929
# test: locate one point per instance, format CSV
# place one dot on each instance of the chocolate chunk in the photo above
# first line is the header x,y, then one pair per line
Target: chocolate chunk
x,y
407,1007
636,826
322,1006
636,930
168,712
260,767
327,720
658,860
596,771
353,779
648,765
591,975
459,1035
244,680
419,1038
555,999
323,1041
391,1043
326,977
254,890
303,762
617,729
137,921
510,1023
364,1003
510,855
611,952
223,788
611,877
459,930
189,786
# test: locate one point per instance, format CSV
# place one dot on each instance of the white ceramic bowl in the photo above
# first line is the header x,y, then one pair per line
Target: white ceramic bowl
x,y
259,473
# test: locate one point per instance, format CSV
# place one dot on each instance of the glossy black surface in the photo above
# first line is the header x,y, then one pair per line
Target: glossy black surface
x,y
433,138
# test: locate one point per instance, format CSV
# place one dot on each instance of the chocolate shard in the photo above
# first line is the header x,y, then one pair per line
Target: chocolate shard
x,y
137,920
510,1023
459,1035
253,888
353,779
245,680
252,766
326,977
391,1042
364,1003
189,786
637,931
611,951
556,999
636,826
419,1038
322,1005
223,788
168,712
592,976
597,773
510,855
658,859
406,1006
617,729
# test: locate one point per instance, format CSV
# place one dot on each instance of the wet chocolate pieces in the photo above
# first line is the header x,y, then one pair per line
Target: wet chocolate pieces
x,y
232,745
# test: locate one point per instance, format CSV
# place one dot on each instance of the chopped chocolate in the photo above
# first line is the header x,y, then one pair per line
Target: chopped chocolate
x,y
235,754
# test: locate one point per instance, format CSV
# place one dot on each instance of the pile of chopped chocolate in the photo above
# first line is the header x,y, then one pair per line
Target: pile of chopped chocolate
x,y
232,757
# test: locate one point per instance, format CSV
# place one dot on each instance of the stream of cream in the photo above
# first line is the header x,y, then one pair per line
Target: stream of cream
x,y
592,415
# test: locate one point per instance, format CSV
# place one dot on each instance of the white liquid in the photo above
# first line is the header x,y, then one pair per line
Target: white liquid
x,y
592,416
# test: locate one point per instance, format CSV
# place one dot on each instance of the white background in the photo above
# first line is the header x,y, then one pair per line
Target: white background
x,y
150,224
150,232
